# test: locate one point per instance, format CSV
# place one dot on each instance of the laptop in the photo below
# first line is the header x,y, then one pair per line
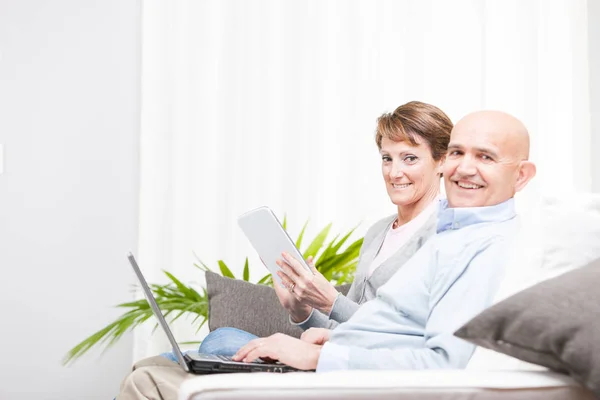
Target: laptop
x,y
202,363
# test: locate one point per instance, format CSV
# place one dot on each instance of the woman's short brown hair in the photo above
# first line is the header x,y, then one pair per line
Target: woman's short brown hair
x,y
416,120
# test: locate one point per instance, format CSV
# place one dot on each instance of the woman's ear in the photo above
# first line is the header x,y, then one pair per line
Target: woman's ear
x,y
440,166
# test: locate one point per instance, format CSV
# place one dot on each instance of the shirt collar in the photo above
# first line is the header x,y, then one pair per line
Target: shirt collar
x,y
460,217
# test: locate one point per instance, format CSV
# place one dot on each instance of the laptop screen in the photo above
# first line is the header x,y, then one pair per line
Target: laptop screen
x,y
157,313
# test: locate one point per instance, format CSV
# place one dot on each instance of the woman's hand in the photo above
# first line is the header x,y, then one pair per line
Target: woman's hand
x,y
297,310
308,287
316,336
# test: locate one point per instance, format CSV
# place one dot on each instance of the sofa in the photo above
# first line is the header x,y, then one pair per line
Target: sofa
x,y
540,340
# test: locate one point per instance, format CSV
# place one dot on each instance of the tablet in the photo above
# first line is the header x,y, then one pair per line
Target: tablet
x,y
269,239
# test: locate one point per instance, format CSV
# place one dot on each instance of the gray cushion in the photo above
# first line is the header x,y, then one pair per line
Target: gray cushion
x,y
252,308
554,323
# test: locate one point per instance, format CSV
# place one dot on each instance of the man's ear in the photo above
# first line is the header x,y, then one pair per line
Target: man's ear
x,y
527,171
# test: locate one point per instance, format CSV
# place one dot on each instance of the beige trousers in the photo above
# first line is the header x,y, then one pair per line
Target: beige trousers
x,y
154,378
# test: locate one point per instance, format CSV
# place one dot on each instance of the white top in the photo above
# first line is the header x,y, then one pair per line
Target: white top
x,y
396,238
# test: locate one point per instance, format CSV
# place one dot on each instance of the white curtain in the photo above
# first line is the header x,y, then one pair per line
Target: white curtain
x,y
249,103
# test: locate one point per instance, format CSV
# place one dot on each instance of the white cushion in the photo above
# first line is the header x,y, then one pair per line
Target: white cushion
x,y
558,234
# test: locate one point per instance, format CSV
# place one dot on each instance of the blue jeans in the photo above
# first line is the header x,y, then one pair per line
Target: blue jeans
x,y
222,341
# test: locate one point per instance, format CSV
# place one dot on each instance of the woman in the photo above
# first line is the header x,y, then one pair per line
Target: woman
x,y
412,142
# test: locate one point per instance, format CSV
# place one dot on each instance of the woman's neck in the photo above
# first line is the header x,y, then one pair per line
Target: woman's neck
x,y
409,212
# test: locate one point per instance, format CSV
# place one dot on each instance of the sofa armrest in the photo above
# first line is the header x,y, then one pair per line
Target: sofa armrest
x,y
358,385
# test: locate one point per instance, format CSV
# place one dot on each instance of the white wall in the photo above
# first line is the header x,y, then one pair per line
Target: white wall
x,y
594,48
69,107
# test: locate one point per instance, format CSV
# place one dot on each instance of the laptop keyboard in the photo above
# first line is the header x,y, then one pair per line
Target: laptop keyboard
x,y
228,358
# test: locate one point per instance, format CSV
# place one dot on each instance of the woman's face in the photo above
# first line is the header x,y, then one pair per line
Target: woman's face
x,y
409,172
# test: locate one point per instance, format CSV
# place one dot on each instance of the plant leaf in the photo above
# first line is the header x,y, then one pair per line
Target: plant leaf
x,y
351,253
333,248
201,325
202,265
246,271
317,243
301,235
266,280
184,289
225,271
328,252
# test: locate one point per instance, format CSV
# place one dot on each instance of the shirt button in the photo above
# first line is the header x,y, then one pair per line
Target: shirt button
x,y
456,225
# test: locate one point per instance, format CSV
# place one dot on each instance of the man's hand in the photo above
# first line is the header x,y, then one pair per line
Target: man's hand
x,y
316,336
283,348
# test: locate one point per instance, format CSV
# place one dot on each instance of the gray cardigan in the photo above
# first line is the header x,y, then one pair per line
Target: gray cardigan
x,y
364,288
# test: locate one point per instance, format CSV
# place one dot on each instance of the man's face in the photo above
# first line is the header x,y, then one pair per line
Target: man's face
x,y
481,168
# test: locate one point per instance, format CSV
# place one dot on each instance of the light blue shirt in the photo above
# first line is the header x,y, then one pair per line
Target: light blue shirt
x,y
452,278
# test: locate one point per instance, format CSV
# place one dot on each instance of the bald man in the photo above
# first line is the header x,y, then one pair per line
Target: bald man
x,y
453,277
487,160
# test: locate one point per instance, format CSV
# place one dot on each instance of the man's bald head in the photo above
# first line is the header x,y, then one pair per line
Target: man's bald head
x,y
487,160
505,126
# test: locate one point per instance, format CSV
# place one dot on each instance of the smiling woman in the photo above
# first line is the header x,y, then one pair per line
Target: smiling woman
x,y
412,141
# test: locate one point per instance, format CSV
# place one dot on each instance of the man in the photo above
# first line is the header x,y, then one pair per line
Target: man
x,y
454,276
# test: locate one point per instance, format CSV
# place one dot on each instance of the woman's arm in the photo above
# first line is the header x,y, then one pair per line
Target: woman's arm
x,y
343,308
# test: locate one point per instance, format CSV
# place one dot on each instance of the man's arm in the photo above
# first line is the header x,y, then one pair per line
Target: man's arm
x,y
458,293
